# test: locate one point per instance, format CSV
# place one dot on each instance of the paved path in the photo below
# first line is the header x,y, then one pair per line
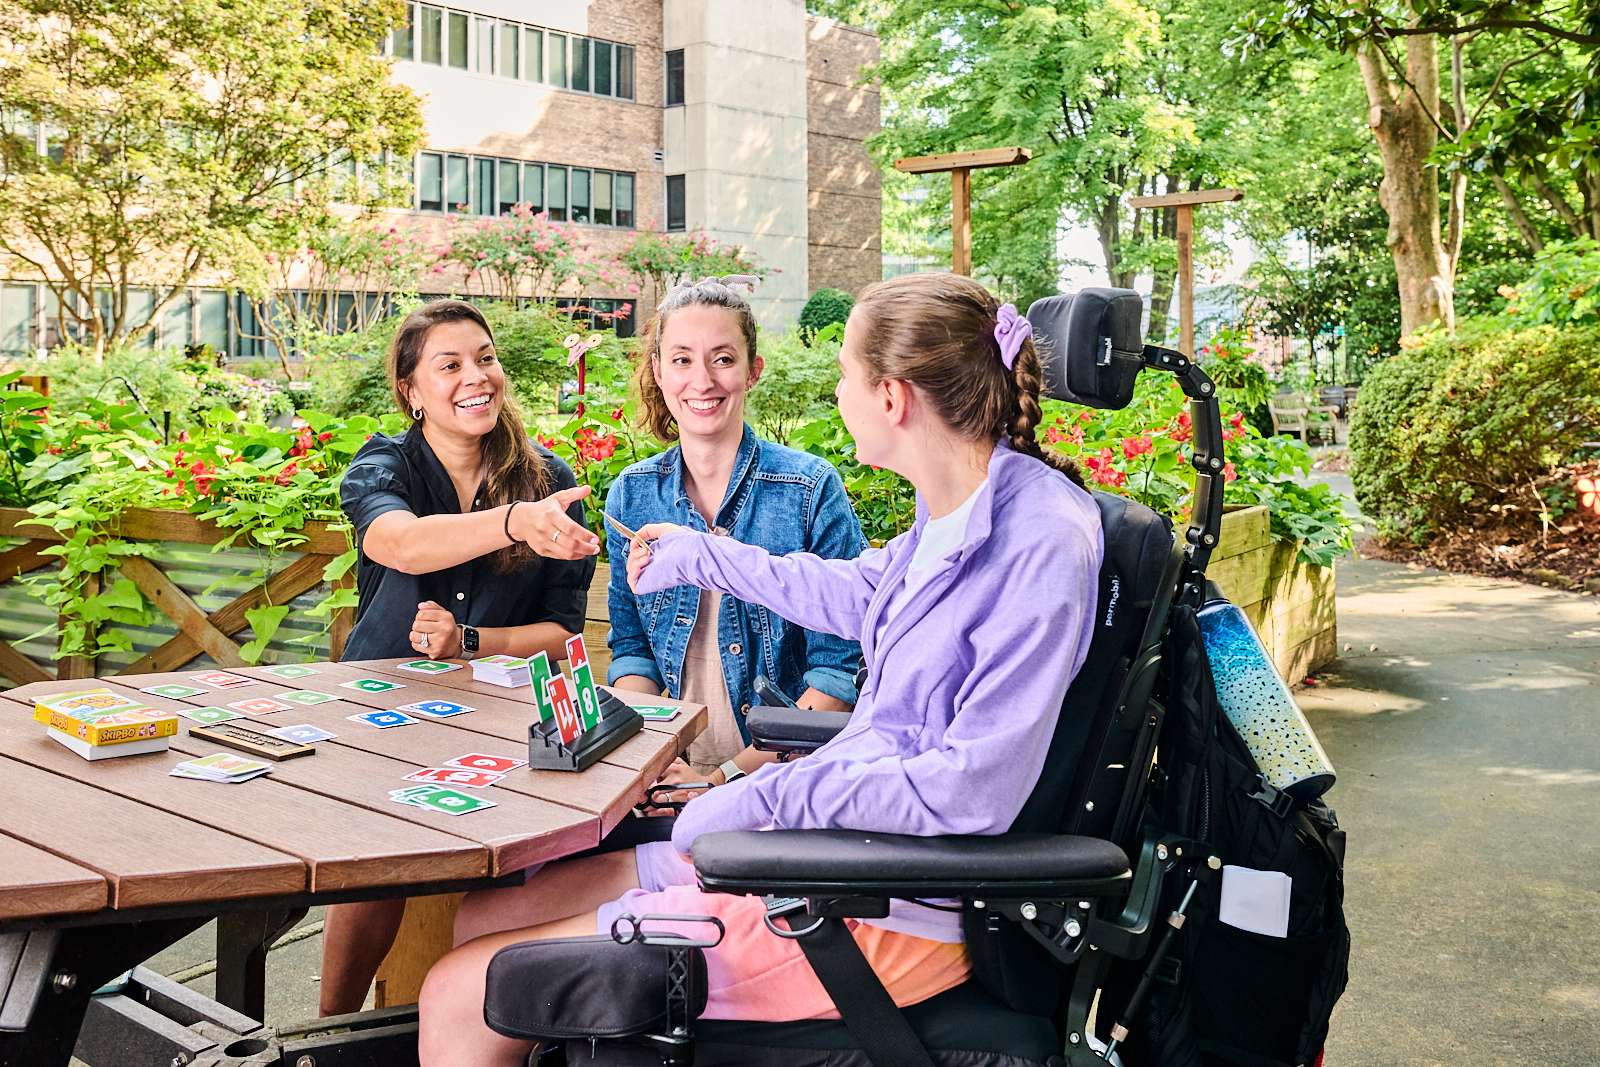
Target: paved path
x,y
1468,749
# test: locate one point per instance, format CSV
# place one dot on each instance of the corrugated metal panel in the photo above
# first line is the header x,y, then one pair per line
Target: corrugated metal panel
x,y
194,569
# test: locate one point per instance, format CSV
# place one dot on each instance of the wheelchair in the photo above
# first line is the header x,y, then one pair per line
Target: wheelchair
x,y
1047,908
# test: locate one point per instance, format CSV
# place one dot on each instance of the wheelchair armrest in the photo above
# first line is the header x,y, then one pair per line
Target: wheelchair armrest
x,y
578,987
796,730
852,863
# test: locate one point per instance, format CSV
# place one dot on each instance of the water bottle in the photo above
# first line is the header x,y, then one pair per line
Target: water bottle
x,y
1260,706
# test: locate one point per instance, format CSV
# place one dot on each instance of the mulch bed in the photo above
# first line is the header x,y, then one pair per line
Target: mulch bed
x,y
1515,544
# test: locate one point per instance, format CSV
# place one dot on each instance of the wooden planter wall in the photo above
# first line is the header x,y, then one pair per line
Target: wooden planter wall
x,y
191,632
1290,602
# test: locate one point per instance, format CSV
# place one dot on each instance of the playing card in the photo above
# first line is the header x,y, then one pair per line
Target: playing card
x,y
372,685
209,715
428,666
539,674
302,734
383,720
222,679
259,706
567,721
451,802
657,712
583,682
176,692
290,671
436,709
455,776
306,697
477,761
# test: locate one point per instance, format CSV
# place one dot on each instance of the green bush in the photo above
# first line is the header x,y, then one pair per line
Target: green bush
x,y
158,382
826,307
797,381
1447,430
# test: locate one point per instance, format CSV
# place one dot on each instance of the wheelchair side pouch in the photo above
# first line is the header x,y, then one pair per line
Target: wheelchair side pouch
x,y
584,987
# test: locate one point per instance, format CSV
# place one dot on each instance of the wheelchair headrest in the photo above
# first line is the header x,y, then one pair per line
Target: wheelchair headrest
x,y
1089,343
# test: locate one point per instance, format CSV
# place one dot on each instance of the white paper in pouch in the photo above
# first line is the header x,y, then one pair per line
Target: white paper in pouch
x,y
1257,901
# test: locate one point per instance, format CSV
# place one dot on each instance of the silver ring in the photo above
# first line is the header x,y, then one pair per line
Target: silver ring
x,y
555,536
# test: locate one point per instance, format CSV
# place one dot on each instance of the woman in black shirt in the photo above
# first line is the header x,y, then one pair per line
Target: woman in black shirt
x,y
471,541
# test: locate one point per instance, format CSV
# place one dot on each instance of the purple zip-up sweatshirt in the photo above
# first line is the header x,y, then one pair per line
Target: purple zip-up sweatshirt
x,y
965,681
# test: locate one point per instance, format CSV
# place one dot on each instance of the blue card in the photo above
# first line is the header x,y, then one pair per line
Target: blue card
x,y
383,720
436,709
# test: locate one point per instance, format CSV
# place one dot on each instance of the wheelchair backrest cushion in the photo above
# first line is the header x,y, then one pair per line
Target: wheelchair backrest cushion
x,y
1087,343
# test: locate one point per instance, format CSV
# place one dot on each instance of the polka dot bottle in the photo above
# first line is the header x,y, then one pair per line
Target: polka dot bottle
x,y
1260,706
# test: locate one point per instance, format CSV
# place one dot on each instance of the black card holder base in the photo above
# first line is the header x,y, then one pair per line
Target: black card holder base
x,y
547,752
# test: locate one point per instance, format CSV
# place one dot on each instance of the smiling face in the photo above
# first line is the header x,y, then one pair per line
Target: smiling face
x,y
704,371
458,382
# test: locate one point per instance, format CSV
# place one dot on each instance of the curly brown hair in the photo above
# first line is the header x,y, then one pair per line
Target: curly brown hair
x,y
516,470
708,292
937,331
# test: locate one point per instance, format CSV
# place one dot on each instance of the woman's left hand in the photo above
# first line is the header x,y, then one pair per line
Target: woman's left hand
x,y
434,632
639,554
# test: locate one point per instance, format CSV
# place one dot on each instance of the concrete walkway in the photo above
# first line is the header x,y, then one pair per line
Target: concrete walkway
x,y
1464,721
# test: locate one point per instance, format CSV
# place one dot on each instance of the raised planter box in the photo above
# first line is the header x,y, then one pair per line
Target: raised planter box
x,y
1290,602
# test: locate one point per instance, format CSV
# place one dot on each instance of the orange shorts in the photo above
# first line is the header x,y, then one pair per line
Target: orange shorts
x,y
756,975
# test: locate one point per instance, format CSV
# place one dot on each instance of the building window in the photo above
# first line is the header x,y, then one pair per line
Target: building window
x,y
675,198
510,51
19,320
579,196
432,35
533,54
430,182
624,197
213,319
555,192
555,63
625,71
484,29
400,36
533,186
675,77
603,58
580,64
176,321
602,197
455,183
456,43
510,187
483,202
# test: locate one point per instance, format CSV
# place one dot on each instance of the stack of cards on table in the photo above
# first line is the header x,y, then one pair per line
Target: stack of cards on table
x,y
440,798
221,767
97,724
509,671
475,770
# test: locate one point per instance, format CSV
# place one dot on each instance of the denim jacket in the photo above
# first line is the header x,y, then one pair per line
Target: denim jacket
x,y
778,498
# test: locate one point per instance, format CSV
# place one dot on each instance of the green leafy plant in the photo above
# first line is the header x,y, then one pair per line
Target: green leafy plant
x,y
1563,288
826,307
797,381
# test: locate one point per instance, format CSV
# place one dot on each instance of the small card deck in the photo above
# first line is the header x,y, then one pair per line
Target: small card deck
x,y
383,720
259,705
507,671
656,712
176,692
209,715
436,709
439,798
221,767
428,666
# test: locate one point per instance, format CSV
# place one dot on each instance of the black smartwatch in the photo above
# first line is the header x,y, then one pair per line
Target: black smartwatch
x,y
469,640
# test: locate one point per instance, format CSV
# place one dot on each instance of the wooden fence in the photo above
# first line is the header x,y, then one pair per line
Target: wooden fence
x,y
202,596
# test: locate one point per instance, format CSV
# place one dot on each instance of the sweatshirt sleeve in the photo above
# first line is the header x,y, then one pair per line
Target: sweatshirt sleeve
x,y
830,595
1021,656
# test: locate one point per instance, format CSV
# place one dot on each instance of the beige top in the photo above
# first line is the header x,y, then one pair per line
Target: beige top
x,y
704,683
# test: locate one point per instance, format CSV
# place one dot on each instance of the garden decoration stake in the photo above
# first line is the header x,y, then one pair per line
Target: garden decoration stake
x,y
576,347
961,165
1185,203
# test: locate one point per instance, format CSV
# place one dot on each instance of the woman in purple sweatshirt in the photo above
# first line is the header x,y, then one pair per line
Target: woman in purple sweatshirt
x,y
972,625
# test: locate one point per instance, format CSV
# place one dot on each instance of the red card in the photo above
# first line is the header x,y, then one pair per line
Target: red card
x,y
566,714
577,654
477,761
455,776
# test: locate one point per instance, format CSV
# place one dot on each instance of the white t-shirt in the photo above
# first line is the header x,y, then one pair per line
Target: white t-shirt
x,y
940,537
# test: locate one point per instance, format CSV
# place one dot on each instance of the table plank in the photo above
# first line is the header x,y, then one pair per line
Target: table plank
x,y
344,846
148,856
519,831
37,882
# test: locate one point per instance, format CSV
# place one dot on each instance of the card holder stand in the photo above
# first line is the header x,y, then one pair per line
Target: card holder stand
x,y
547,752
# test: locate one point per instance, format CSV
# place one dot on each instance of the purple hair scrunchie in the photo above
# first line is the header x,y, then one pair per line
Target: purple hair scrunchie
x,y
1010,330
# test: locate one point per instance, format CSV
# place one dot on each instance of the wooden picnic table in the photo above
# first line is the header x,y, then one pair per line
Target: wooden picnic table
x,y
104,863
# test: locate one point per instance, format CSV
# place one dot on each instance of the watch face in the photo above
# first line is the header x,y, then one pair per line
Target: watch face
x,y
469,638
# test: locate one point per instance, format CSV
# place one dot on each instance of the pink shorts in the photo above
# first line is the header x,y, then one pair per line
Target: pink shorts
x,y
754,974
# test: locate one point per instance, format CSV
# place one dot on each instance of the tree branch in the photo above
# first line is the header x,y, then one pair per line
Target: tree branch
x,y
1451,30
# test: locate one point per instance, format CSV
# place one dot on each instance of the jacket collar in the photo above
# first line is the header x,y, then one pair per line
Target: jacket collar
x,y
426,463
744,462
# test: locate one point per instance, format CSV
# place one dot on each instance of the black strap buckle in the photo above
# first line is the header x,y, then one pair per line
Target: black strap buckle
x,y
1276,800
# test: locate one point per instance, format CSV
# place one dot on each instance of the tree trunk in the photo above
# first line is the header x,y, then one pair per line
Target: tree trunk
x,y
1409,191
1519,217
1161,288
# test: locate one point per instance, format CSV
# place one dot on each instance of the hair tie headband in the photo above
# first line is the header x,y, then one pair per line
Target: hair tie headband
x,y
1010,330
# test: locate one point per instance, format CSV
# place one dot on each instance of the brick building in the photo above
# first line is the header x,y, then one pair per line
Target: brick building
x,y
736,119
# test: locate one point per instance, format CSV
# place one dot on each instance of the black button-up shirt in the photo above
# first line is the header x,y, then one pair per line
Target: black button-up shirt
x,y
403,474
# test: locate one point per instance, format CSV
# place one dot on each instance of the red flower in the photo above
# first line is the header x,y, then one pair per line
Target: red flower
x,y
1102,468
54,450
1133,447
617,413
286,475
183,437
1228,473
1184,430
325,436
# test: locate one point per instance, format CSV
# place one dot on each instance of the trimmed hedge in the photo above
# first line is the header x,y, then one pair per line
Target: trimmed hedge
x,y
826,307
1444,431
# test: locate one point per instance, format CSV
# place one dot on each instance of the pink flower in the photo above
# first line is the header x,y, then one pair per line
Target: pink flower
x,y
1133,447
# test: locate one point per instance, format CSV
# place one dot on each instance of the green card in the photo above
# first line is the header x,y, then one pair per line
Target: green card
x,y
539,674
209,716
372,685
657,712
176,692
451,801
306,697
428,666
290,671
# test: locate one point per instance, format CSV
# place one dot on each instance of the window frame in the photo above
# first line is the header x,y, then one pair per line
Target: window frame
x,y
668,76
682,185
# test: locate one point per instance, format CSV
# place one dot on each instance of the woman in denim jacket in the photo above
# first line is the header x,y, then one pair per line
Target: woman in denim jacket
x,y
699,361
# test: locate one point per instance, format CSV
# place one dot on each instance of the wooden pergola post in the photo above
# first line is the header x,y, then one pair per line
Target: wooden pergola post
x,y
1185,203
961,165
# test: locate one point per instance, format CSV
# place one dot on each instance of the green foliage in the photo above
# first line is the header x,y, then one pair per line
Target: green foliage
x,y
824,308
1563,288
160,381
797,382
598,445
196,141
662,260
1446,431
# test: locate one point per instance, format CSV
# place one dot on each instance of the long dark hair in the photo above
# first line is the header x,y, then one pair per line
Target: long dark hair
x,y
937,330
516,471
